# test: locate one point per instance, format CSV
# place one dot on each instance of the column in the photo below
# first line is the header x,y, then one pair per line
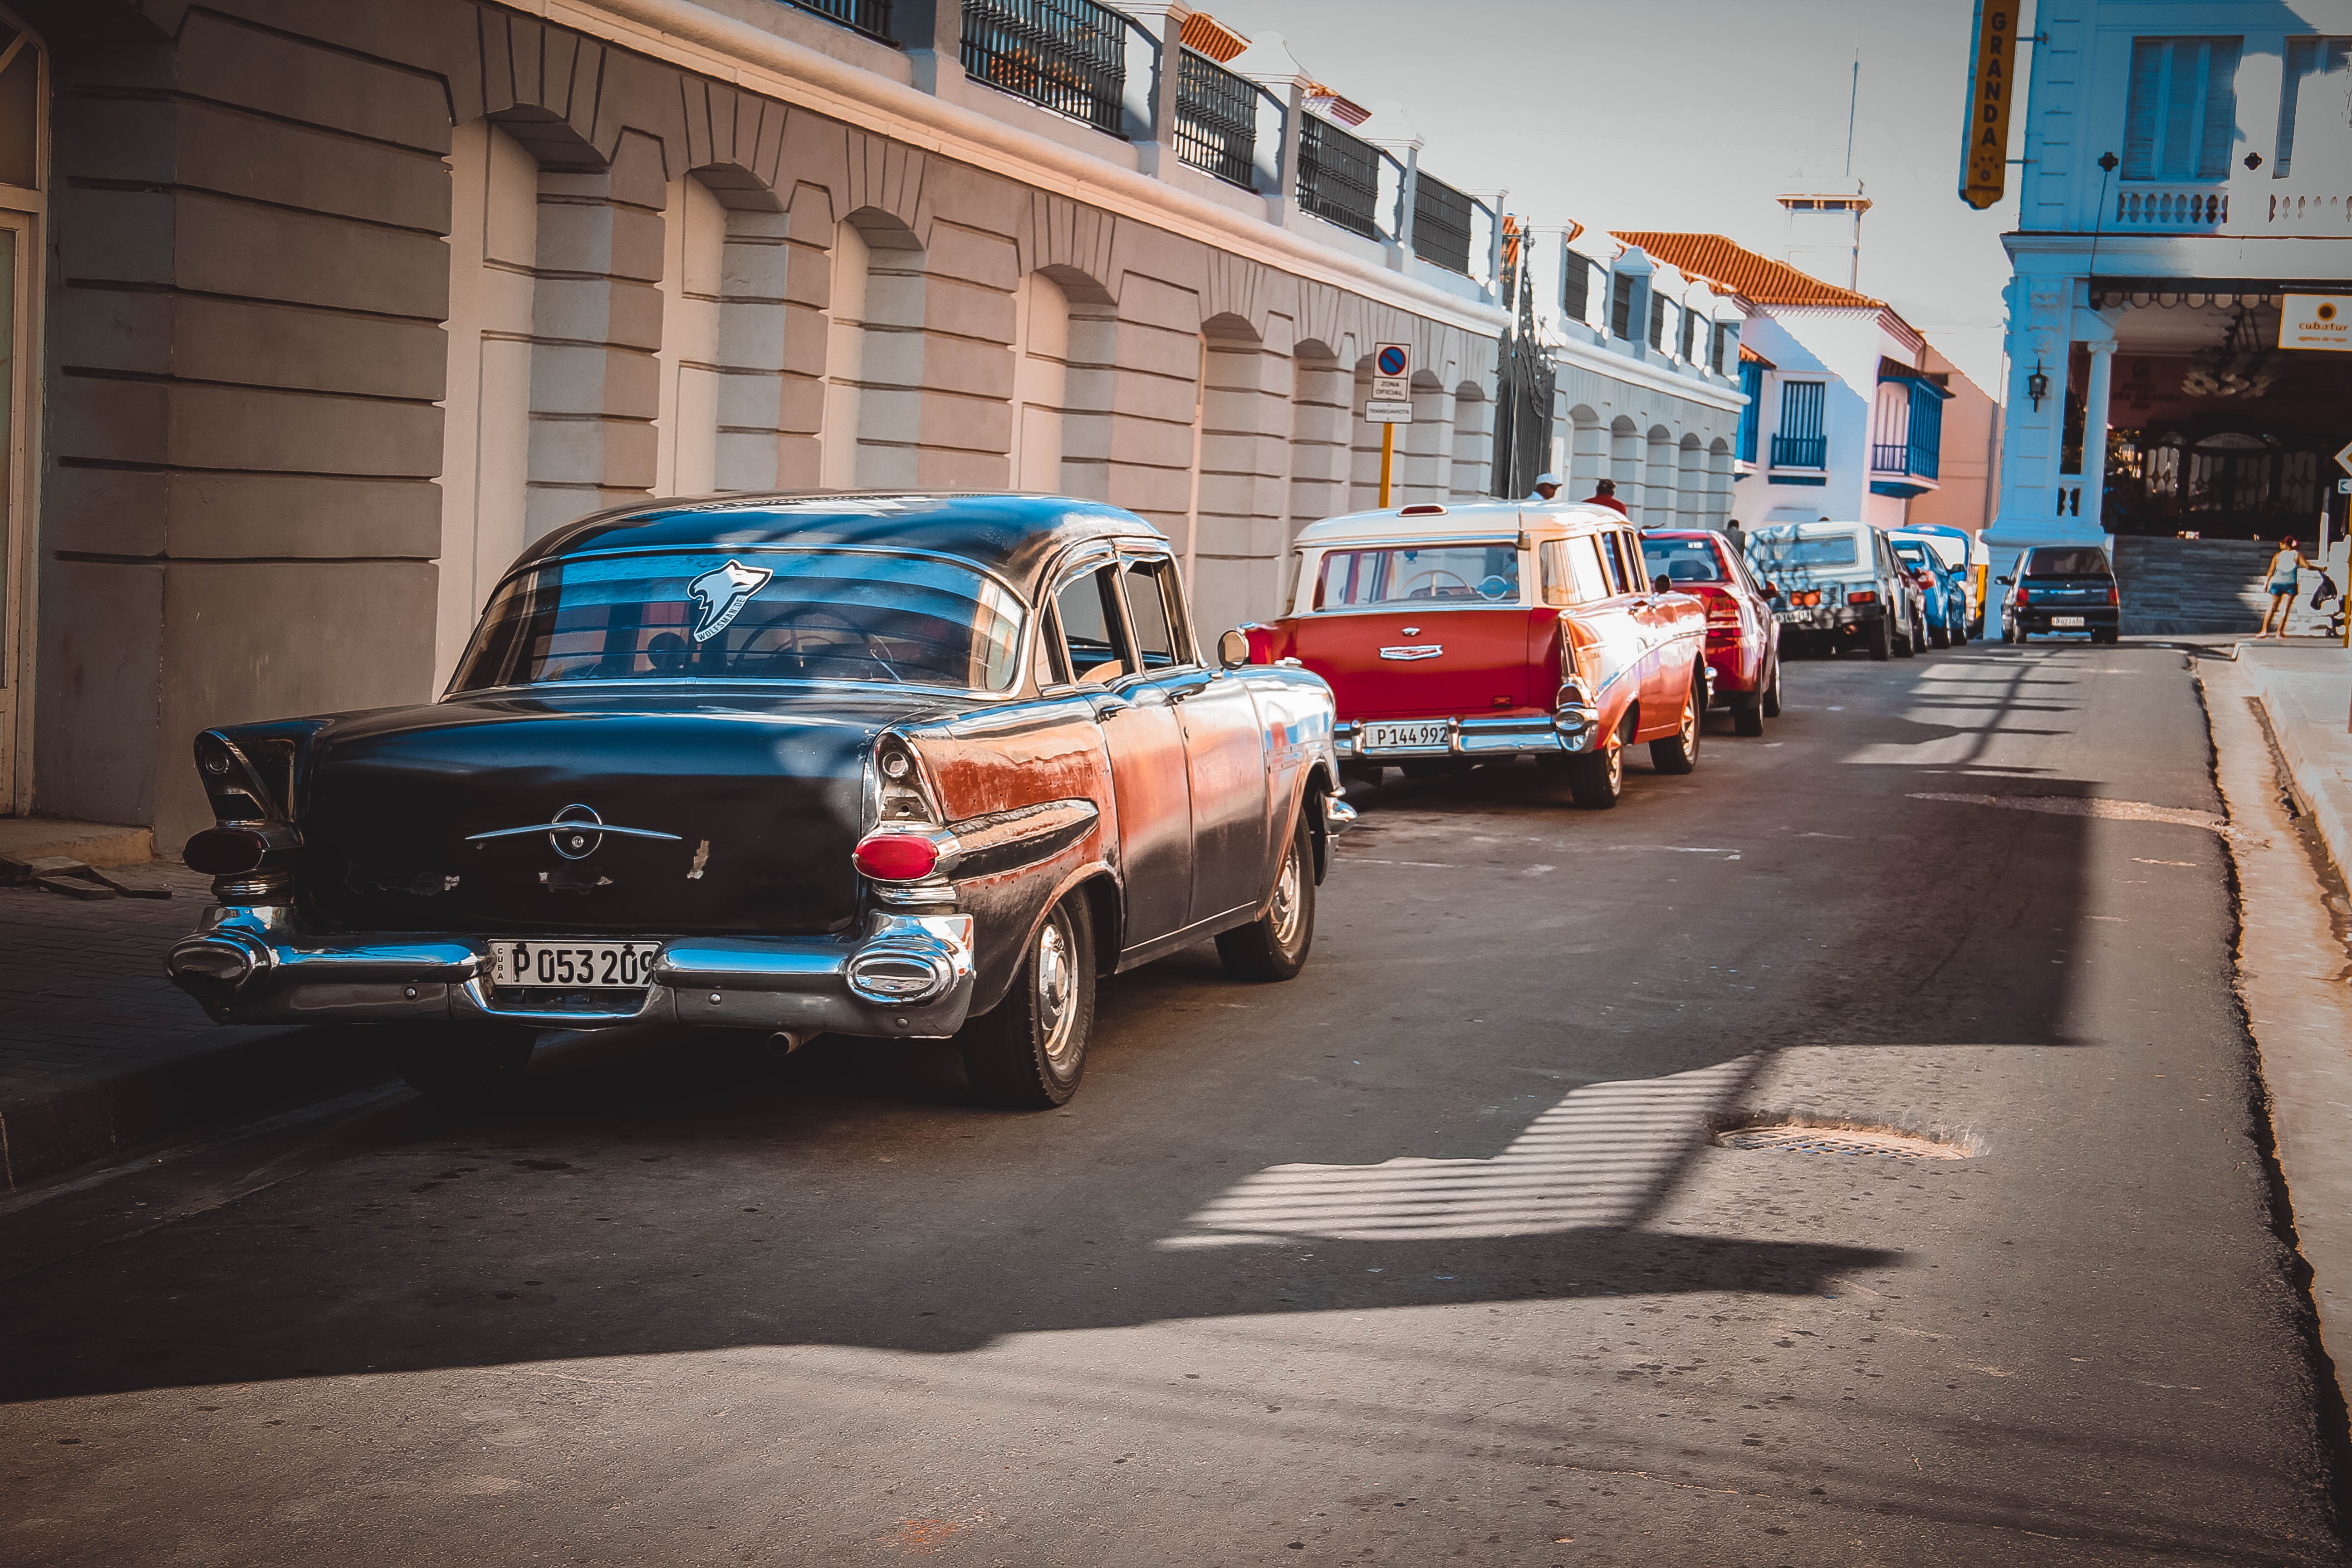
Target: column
x,y
2094,432
1155,148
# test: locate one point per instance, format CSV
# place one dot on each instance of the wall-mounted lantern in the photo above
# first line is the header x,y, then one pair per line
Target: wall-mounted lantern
x,y
2037,386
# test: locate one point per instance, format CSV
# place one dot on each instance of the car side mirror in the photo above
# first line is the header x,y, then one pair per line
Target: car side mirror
x,y
2002,579
1770,590
1662,583
1233,649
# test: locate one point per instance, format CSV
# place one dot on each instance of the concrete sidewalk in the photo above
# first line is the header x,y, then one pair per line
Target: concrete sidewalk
x,y
2304,686
99,1053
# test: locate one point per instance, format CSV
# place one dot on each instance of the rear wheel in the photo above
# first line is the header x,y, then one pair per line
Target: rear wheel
x,y
1881,638
1596,780
464,1066
1273,946
1029,1052
1678,753
1747,714
1771,704
1940,635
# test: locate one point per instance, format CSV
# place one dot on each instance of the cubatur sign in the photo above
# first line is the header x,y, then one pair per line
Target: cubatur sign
x,y
1984,155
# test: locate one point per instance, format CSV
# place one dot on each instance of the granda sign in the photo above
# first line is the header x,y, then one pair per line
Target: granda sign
x,y
1984,152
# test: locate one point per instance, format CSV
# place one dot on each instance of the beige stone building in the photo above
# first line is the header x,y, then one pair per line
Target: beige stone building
x,y
323,309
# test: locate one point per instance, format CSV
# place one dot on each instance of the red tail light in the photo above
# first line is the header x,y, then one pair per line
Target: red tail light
x,y
2023,597
1867,596
895,856
2114,598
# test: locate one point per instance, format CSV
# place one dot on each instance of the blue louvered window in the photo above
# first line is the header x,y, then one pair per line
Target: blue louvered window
x,y
2182,113
1801,443
1751,382
2315,101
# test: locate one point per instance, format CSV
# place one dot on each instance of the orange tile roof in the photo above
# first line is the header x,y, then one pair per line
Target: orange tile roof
x,y
1204,34
1742,272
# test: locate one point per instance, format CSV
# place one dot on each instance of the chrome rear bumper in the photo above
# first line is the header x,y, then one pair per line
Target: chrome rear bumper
x,y
905,976
1569,730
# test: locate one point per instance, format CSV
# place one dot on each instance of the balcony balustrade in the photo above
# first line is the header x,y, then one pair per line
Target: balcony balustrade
x,y
871,17
1069,56
1218,119
1800,451
1916,459
1338,177
1440,224
2199,209
2307,214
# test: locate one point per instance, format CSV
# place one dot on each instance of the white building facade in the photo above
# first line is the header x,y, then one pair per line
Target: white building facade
x,y
2185,167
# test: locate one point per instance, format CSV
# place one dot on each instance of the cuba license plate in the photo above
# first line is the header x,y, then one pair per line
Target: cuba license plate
x,y
1419,734
2066,620
574,965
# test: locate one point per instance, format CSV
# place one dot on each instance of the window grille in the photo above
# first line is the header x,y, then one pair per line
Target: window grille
x,y
1727,349
1658,323
1576,288
1068,55
1440,224
1801,444
2181,112
1620,306
1338,176
1216,120
871,17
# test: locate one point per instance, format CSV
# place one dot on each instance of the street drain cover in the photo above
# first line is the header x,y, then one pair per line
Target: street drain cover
x,y
1838,1140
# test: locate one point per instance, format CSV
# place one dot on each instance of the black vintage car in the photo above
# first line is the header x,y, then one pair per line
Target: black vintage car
x,y
884,765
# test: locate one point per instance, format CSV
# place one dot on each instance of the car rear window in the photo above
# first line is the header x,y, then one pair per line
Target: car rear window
x,y
1786,550
2080,561
1419,574
1684,559
798,615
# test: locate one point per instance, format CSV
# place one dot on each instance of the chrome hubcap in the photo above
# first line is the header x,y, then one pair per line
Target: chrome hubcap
x,y
1286,911
1056,1016
1690,725
1616,762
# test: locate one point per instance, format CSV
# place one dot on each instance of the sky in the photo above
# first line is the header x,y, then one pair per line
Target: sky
x,y
1691,114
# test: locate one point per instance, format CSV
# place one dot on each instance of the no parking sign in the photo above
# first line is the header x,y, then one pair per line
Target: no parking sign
x,y
1392,399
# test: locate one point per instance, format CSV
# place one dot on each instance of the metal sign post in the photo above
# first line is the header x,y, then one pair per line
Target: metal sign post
x,y
1390,403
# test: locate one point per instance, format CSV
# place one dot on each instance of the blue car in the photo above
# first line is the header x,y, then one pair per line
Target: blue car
x,y
1945,589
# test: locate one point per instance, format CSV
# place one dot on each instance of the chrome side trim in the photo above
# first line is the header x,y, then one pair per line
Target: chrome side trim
x,y
582,826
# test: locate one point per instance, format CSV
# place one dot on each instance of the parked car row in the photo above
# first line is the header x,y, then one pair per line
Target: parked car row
x,y
1453,635
1889,594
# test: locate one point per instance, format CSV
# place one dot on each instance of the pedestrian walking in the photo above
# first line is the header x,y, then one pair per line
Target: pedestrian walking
x,y
1605,494
1547,487
1738,535
2283,576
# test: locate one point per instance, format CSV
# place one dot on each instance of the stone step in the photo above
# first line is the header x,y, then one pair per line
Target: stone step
x,y
2176,586
28,839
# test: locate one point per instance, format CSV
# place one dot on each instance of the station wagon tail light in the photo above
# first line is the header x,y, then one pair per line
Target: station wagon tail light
x,y
1719,614
895,856
1867,596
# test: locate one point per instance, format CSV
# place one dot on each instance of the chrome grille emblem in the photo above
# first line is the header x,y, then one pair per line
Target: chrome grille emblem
x,y
575,832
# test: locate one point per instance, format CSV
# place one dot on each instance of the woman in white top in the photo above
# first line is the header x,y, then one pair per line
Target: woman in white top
x,y
2282,576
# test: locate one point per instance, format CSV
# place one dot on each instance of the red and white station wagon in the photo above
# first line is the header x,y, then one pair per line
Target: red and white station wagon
x,y
1480,632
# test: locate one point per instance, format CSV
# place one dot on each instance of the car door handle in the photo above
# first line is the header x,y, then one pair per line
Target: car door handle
x,y
1106,703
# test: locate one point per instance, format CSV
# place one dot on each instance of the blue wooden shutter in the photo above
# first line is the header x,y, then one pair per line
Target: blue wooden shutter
x,y
2149,56
2221,128
1751,382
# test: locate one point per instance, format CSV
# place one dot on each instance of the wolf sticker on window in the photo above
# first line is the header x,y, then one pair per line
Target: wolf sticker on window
x,y
722,593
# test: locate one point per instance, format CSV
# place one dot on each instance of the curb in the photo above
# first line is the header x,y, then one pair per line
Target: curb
x,y
2320,786
229,1075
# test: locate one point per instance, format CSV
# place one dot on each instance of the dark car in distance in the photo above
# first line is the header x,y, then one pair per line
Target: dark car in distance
x,y
884,765
2062,588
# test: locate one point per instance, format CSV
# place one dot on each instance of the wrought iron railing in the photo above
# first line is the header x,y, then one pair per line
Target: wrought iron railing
x,y
1799,451
1440,224
871,17
1216,120
1338,177
1069,56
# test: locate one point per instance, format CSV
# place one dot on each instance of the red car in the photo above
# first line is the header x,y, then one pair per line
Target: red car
x,y
1743,635
1491,630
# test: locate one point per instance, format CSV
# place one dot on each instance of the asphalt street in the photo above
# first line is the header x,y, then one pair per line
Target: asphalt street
x,y
1426,1257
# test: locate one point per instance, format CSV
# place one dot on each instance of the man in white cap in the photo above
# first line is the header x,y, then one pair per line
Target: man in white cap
x,y
1547,487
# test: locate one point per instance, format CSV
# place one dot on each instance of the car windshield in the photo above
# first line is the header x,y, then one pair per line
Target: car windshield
x,y
1953,553
1682,560
1917,553
1787,550
793,615
2082,561
1419,574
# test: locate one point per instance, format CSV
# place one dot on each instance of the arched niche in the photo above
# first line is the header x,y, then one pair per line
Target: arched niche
x,y
874,354
1474,442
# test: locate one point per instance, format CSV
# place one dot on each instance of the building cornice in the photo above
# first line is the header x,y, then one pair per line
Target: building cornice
x,y
1634,373
709,43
